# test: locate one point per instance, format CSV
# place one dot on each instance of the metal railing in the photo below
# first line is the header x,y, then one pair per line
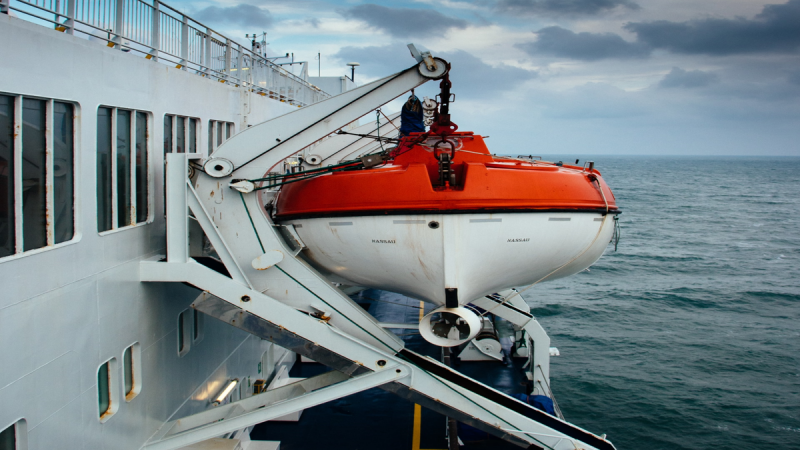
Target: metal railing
x,y
163,34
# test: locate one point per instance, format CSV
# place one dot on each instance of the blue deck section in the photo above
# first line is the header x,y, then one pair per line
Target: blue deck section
x,y
379,419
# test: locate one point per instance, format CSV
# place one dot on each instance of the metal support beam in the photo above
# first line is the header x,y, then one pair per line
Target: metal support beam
x,y
275,408
177,219
216,239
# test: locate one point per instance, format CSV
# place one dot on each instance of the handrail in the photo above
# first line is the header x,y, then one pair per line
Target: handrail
x,y
163,34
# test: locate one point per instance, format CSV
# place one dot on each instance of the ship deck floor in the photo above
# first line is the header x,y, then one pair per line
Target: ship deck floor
x,y
376,419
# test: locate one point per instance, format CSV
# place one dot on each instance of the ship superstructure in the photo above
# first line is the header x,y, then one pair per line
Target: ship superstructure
x,y
131,224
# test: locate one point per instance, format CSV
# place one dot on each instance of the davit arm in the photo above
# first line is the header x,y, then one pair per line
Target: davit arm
x,y
247,238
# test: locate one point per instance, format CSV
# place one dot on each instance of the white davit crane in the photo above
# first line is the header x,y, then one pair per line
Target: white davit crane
x,y
270,292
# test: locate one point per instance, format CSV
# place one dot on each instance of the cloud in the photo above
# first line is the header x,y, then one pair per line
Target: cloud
x,y
404,22
562,7
679,78
240,15
794,78
775,30
557,41
472,77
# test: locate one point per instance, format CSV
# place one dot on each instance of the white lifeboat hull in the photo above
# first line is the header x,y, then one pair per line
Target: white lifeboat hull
x,y
478,254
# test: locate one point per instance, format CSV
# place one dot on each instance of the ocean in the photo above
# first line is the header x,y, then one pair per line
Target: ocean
x,y
688,335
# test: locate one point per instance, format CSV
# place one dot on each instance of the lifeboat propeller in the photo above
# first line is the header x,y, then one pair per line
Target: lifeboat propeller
x,y
449,327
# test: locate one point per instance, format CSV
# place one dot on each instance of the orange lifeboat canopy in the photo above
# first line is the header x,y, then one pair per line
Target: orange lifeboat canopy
x,y
411,182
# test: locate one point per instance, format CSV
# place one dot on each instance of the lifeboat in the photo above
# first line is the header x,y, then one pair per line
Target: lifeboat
x,y
441,219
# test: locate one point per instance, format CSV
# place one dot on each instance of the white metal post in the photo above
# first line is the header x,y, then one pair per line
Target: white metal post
x,y
228,49
155,31
114,204
207,52
239,63
118,23
70,23
177,217
184,41
48,173
18,174
132,168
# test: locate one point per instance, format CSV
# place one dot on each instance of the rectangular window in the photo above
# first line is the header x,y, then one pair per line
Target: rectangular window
x,y
63,176
7,219
180,134
184,139
8,438
36,173
199,325
107,390
122,168
142,186
184,332
15,436
218,132
103,390
132,372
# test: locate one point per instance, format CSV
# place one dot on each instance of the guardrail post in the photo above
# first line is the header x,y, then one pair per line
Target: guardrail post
x,y
228,48
184,41
4,6
155,31
207,51
118,23
239,62
70,23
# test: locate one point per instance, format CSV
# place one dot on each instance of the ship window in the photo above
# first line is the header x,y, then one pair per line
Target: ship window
x,y
180,134
107,400
198,326
132,372
8,438
36,173
122,168
184,332
7,210
218,132
14,437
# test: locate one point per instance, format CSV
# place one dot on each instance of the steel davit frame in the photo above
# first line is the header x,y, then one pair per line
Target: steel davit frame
x,y
272,293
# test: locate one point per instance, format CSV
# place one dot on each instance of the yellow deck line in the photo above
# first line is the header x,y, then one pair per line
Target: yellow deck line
x,y
415,436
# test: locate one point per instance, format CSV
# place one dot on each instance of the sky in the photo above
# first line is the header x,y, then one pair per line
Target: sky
x,y
571,77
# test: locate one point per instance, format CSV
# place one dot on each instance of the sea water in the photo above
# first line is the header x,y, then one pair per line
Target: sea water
x,y
688,335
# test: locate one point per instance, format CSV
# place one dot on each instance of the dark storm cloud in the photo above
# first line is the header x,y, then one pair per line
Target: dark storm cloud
x,y
239,15
562,7
775,30
679,78
472,78
404,22
557,41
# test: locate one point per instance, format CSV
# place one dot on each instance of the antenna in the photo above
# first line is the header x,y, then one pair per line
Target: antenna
x,y
353,66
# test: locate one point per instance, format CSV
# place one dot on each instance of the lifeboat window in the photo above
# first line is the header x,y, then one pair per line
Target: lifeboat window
x,y
37,189
14,437
107,397
131,371
184,332
122,168
218,132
